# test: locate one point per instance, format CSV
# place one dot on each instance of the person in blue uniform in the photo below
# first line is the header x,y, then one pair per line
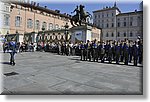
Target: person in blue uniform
x,y
117,52
102,56
130,51
106,49
135,53
88,50
95,51
110,52
12,47
121,52
140,51
113,51
126,52
82,48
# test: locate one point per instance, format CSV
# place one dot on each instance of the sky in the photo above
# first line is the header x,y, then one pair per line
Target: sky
x,y
69,6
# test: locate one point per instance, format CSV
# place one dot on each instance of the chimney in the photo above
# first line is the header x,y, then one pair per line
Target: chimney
x,y
45,7
135,10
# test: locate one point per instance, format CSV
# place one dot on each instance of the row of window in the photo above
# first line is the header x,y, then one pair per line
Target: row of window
x,y
112,25
104,15
18,21
131,18
118,34
125,24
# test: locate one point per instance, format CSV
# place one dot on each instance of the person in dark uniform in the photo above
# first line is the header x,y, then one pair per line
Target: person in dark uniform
x,y
113,51
135,53
117,52
63,48
121,52
88,50
140,51
67,49
126,52
106,49
99,45
109,52
130,51
95,51
102,55
12,47
82,48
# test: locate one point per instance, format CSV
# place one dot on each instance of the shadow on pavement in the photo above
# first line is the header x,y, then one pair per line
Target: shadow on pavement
x,y
8,63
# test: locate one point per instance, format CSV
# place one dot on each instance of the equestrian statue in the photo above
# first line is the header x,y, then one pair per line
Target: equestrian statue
x,y
80,17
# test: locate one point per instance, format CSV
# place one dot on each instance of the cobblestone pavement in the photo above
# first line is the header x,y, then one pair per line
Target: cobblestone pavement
x,y
48,73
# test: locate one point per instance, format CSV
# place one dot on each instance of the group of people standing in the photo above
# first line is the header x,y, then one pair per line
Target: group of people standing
x,y
118,51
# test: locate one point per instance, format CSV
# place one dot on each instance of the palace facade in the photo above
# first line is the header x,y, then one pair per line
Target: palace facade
x,y
29,18
119,26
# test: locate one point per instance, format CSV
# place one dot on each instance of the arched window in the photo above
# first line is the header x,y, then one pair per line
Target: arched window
x,y
50,26
56,26
30,23
17,21
44,25
37,24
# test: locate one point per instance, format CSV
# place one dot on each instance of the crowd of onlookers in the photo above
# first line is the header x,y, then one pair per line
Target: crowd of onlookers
x,y
119,51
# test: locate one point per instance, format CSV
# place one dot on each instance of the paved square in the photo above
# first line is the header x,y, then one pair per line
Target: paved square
x,y
48,73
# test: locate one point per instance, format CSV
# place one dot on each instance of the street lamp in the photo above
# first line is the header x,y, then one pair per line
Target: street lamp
x,y
66,32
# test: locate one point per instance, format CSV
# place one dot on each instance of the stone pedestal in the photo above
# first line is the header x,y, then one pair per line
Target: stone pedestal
x,y
81,33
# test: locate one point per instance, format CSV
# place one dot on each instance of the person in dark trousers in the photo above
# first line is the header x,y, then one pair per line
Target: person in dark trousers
x,y
102,55
82,48
113,51
135,53
121,52
95,51
88,50
130,51
140,50
126,52
106,49
12,47
109,52
117,52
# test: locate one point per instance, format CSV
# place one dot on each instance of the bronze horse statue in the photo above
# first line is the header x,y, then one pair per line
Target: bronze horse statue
x,y
81,16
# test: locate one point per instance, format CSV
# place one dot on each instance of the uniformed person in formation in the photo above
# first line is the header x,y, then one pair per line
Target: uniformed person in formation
x,y
88,50
140,51
102,49
106,49
109,56
135,53
95,51
82,49
126,52
113,51
130,51
121,52
117,52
